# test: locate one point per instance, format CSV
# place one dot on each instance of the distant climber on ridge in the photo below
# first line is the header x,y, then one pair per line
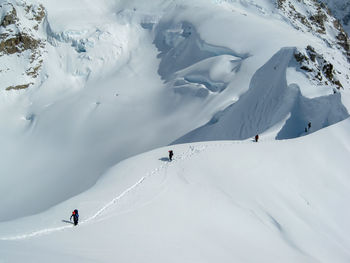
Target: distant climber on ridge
x,y
256,138
171,155
75,216
308,127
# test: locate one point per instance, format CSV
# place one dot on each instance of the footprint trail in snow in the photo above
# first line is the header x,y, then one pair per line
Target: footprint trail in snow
x,y
192,150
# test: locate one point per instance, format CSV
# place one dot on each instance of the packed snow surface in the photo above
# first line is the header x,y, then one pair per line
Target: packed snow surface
x,y
227,201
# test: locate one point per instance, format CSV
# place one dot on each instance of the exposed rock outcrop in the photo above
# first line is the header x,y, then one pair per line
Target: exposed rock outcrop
x,y
21,44
317,68
315,17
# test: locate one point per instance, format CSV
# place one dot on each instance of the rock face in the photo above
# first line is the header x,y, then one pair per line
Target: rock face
x,y
316,18
312,16
22,44
10,18
317,68
341,10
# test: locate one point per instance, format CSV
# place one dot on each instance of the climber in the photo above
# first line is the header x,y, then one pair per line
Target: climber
x,y
75,216
171,155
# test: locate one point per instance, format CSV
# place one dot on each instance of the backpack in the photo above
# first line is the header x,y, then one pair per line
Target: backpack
x,y
75,213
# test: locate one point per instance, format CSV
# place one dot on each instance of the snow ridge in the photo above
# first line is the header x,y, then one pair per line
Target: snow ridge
x,y
270,101
47,231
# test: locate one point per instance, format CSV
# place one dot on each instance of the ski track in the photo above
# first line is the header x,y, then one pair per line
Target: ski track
x,y
192,151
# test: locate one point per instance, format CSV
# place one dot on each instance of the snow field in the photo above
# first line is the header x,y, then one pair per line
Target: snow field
x,y
283,200
124,77
116,73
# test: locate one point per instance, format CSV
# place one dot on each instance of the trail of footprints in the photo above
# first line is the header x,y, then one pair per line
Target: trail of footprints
x,y
186,155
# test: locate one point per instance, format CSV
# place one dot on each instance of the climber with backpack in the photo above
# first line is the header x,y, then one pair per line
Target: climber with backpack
x,y
256,138
309,126
171,155
75,216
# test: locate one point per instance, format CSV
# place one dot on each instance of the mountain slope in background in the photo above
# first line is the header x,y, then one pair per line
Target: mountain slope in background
x,y
23,43
341,10
267,104
283,95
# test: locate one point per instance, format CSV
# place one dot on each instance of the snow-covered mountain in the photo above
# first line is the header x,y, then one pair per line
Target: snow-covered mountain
x,y
86,85
22,44
341,10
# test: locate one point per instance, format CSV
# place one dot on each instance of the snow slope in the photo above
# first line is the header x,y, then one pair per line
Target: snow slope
x,y
267,103
118,78
228,201
341,10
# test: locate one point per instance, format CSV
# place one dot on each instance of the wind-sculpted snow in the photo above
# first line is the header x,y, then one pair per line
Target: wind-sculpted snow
x,y
188,63
78,39
269,102
321,112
